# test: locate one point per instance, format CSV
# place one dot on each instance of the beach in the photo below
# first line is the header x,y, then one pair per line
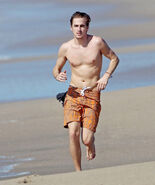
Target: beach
x,y
129,174
126,134
33,142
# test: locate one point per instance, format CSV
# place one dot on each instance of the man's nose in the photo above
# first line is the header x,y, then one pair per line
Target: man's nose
x,y
79,28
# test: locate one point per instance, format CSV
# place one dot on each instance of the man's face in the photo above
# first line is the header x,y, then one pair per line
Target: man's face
x,y
79,28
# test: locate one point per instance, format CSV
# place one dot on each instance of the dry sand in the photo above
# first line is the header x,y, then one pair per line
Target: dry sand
x,y
125,135
137,174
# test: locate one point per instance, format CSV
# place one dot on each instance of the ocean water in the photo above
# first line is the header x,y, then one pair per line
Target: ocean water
x,y
25,64
24,21
26,60
7,165
33,80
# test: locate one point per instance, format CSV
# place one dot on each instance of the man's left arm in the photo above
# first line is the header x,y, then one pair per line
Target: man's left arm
x,y
114,60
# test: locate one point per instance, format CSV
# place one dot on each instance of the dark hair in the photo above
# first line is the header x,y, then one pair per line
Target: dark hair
x,y
80,15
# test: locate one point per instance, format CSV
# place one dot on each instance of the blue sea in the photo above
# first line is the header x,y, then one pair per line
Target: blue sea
x,y
27,58
33,80
26,61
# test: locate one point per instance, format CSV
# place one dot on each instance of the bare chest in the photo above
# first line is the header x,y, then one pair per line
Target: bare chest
x,y
86,56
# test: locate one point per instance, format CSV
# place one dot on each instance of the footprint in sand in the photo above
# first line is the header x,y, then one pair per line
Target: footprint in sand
x,y
26,180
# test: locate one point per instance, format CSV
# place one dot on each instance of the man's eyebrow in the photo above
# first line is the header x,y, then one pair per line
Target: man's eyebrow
x,y
79,24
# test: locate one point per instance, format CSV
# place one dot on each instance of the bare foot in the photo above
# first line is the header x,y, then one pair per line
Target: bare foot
x,y
91,151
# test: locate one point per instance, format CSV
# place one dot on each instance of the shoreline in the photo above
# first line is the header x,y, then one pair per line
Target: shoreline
x,y
34,130
136,174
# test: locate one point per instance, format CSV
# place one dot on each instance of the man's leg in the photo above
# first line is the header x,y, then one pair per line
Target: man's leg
x,y
75,149
88,140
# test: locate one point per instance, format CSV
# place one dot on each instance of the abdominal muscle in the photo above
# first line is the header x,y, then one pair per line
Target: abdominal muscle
x,y
85,77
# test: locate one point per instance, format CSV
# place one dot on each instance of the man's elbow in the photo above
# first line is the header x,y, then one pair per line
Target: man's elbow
x,y
54,72
117,60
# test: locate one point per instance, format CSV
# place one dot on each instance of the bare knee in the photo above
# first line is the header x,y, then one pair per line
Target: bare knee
x,y
74,132
87,141
87,137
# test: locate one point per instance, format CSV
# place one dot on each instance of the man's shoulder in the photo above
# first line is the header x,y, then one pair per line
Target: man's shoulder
x,y
64,48
67,43
97,39
98,42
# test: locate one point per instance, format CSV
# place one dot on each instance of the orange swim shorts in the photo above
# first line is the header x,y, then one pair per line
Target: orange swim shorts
x,y
82,107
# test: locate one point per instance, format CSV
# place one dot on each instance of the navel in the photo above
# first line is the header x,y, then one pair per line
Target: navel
x,y
83,80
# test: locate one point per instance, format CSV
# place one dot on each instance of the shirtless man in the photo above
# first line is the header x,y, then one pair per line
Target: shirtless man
x,y
82,103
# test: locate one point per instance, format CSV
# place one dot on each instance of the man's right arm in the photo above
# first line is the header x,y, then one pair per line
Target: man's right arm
x,y
61,60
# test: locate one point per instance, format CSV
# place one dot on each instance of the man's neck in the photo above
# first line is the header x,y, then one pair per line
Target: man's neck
x,y
82,42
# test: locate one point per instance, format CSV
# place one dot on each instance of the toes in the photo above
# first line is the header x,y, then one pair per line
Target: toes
x,y
92,156
91,153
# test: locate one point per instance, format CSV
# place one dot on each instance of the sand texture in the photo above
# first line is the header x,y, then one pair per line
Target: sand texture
x,y
125,134
137,174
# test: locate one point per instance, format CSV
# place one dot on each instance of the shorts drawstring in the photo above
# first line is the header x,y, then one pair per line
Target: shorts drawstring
x,y
83,90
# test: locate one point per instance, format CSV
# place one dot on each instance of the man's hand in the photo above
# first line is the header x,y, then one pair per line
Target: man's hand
x,y
62,76
102,82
